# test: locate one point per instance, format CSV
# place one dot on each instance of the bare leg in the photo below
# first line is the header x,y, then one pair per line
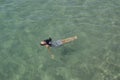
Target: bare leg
x,y
69,39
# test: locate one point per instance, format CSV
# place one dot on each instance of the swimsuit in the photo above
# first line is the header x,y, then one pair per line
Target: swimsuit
x,y
56,43
53,43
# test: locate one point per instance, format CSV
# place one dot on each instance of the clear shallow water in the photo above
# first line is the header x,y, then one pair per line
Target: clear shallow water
x,y
94,56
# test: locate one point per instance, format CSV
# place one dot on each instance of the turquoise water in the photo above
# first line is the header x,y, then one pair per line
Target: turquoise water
x,y
95,55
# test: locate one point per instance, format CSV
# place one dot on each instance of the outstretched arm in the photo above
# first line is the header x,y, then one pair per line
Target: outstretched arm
x,y
48,47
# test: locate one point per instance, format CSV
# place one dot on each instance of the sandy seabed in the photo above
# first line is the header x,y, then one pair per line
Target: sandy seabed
x,y
95,55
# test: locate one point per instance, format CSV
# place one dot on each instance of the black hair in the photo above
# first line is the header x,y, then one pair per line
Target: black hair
x,y
46,42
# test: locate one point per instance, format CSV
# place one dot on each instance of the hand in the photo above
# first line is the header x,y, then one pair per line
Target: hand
x,y
52,56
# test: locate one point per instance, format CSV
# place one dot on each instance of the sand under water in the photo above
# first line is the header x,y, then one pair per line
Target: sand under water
x,y
95,55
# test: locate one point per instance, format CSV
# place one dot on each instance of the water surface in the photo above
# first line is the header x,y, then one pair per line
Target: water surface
x,y
95,55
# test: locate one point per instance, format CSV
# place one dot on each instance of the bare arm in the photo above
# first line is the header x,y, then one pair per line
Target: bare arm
x,y
48,47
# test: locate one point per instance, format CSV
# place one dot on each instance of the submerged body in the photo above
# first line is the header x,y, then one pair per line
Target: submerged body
x,y
50,43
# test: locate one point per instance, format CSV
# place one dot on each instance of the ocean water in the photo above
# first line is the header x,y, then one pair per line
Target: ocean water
x,y
95,55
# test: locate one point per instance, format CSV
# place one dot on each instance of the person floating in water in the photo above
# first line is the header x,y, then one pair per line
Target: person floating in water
x,y
50,43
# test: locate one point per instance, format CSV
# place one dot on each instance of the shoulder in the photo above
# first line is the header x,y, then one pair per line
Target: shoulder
x,y
47,46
